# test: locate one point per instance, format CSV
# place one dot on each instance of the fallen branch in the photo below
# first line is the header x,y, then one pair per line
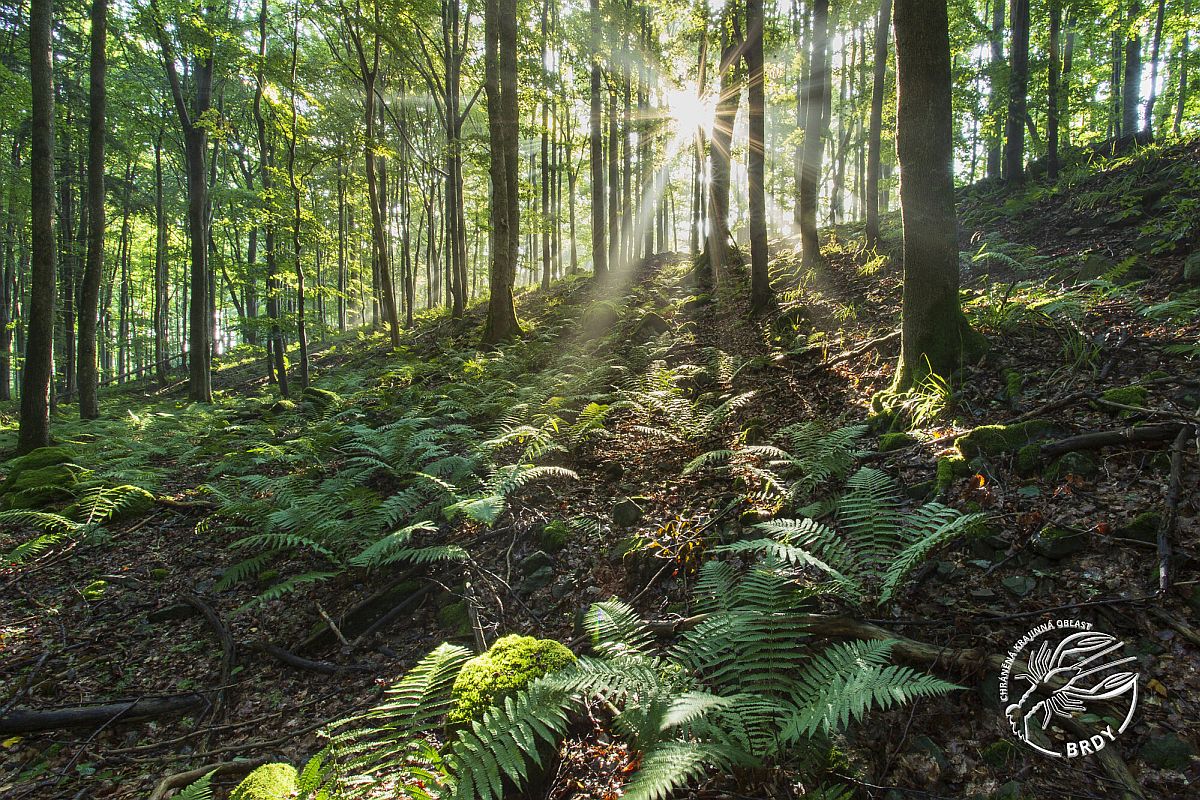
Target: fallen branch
x,y
182,779
228,649
1158,432
1170,519
300,662
391,616
24,720
185,505
856,352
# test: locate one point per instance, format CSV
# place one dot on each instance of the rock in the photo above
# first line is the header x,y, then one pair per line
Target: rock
x,y
538,579
1191,267
535,561
94,591
1055,542
920,491
923,744
1078,463
613,471
172,613
1019,585
508,665
320,400
1142,528
1095,266
649,326
1127,396
695,303
994,440
283,406
554,536
1013,790
159,574
1075,231
454,617
599,318
985,544
268,782
627,512
1000,753
1167,751
949,469
895,441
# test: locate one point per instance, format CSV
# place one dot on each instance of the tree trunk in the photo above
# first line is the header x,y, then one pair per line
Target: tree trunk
x,y
1183,84
1064,89
1018,89
301,331
1154,49
875,134
500,59
996,96
1131,92
814,134
596,149
760,281
721,150
161,298
8,274
932,323
1052,93
39,346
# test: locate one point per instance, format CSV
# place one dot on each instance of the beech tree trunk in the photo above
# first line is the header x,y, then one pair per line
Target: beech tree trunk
x,y
1052,94
814,134
596,150
875,132
500,61
39,343
934,330
1131,92
1154,50
1018,90
760,283
720,151
996,97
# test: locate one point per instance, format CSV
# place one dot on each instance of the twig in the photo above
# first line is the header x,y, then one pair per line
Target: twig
x,y
30,720
332,625
856,352
29,676
228,648
396,611
299,662
1166,528
473,615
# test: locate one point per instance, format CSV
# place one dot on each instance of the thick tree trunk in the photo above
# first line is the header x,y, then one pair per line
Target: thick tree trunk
x,y
500,59
721,149
8,274
1018,90
161,298
596,149
39,347
933,326
760,282
875,131
301,328
1131,92
275,344
1181,100
814,134
1064,89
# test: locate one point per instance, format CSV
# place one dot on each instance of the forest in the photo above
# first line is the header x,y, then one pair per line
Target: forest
x,y
630,399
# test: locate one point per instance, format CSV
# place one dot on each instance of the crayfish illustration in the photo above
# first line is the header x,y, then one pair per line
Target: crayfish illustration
x,y
1054,679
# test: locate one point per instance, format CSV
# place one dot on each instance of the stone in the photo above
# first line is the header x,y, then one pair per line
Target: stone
x,y
1191,267
600,318
994,440
510,664
1078,463
1000,753
1142,528
923,744
627,512
1013,790
554,536
613,470
649,326
895,441
535,561
1166,751
1055,542
1019,585
268,782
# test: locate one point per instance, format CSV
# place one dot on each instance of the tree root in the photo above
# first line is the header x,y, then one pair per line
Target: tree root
x,y
181,779
23,720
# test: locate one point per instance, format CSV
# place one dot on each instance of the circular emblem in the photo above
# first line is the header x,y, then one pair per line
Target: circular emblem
x,y
1062,670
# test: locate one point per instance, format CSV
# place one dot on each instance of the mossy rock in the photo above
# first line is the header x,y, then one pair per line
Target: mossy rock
x,y
995,440
554,536
628,512
1077,463
320,399
268,782
895,441
649,326
1014,382
1127,396
950,469
41,457
130,502
283,406
1055,542
38,486
1142,528
454,617
509,665
94,591
1000,753
600,318
1167,751
1029,458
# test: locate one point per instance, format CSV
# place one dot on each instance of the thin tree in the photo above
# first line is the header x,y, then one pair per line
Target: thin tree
x,y
596,150
721,148
39,343
814,133
1131,92
89,292
1052,94
760,281
1154,48
875,130
934,330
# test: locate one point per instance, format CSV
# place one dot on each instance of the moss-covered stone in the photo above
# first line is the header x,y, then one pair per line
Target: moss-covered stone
x,y
1029,458
1127,396
1055,542
554,536
949,469
1077,463
627,512
320,399
1142,528
268,782
1167,751
994,440
1014,382
41,457
454,617
895,441
94,591
36,483
511,663
999,753
649,326
283,406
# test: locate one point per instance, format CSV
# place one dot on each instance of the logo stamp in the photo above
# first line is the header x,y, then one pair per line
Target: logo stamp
x,y
1064,669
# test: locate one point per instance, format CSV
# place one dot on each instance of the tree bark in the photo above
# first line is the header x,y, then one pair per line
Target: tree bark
x,y
1018,90
814,134
721,149
875,133
932,323
1131,92
1052,93
39,344
500,61
760,282
161,298
996,97
1154,50
275,343
596,149
1183,84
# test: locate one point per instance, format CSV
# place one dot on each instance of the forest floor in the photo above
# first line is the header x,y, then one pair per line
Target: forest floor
x,y
1080,291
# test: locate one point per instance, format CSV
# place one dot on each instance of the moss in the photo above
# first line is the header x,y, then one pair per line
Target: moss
x,y
950,469
38,486
895,441
94,591
41,457
1142,528
1014,382
554,536
321,399
1127,396
510,663
994,440
268,782
1028,458
455,618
